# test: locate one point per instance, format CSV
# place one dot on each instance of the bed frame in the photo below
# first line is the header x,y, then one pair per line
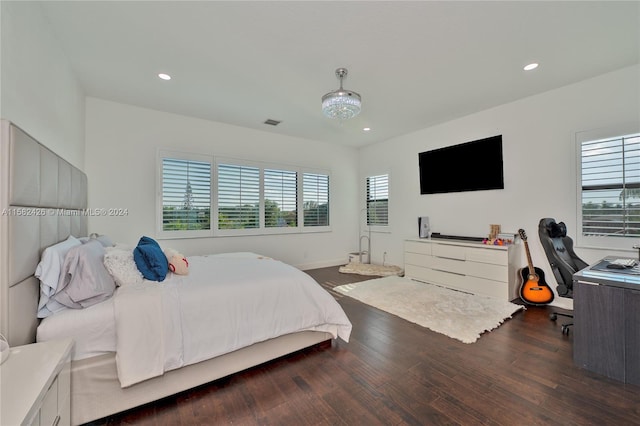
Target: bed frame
x,y
42,201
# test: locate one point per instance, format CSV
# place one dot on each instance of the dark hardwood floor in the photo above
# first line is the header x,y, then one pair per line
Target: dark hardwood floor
x,y
396,373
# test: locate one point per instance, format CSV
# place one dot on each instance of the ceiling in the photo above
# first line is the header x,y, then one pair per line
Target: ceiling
x,y
415,63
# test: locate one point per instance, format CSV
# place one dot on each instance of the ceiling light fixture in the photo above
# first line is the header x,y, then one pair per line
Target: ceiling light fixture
x,y
341,104
530,67
164,76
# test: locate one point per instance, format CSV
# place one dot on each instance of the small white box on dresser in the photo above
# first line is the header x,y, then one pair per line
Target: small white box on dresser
x,y
472,267
35,384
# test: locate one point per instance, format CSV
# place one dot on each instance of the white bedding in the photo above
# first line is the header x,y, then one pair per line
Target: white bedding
x,y
187,319
93,329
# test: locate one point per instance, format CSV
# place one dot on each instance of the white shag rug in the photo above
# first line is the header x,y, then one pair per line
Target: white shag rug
x,y
371,269
459,315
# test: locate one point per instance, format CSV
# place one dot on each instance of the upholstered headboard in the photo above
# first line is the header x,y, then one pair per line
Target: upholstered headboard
x,y
43,199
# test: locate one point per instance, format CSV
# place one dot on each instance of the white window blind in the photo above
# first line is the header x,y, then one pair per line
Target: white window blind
x,y
610,195
204,196
378,200
186,195
238,197
315,199
280,198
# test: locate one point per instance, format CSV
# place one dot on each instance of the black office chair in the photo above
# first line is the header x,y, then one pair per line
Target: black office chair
x,y
563,260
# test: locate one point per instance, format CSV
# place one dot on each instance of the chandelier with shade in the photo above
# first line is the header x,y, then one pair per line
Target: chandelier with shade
x,y
342,104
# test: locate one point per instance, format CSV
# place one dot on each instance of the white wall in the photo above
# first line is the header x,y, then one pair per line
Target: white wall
x,y
39,92
121,150
539,165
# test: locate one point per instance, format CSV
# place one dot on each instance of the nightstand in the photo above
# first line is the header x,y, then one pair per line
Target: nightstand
x,y
35,385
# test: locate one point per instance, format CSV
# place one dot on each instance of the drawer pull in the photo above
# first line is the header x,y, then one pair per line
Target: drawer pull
x,y
450,258
56,420
450,272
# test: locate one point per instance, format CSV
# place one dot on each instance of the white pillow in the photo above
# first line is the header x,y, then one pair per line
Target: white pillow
x,y
120,264
48,272
104,240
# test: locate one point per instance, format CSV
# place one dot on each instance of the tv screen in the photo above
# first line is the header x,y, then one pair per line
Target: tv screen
x,y
470,166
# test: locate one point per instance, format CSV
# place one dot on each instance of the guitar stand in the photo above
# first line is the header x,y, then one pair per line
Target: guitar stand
x,y
565,327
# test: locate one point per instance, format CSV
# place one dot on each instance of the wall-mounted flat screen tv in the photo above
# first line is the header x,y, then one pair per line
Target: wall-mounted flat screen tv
x,y
470,166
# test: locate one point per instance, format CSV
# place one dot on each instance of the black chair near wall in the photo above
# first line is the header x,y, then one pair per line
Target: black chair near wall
x,y
563,260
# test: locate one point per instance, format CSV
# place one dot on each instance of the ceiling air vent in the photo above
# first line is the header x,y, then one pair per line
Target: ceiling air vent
x,y
271,122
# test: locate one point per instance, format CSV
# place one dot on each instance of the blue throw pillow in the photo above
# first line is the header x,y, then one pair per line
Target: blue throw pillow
x,y
150,259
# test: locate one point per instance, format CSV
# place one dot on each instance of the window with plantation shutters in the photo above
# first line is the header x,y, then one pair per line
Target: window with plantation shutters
x,y
280,198
378,200
238,197
186,195
610,189
315,199
205,196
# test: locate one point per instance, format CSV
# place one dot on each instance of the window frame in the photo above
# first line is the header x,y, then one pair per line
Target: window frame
x,y
316,173
376,227
214,162
622,243
169,154
262,229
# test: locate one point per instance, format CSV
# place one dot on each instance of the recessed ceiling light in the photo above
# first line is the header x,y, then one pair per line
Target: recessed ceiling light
x,y
164,76
531,66
366,129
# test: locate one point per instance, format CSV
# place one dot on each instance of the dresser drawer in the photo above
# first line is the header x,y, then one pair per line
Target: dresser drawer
x,y
49,409
64,395
487,270
414,259
417,247
449,251
484,287
435,276
486,255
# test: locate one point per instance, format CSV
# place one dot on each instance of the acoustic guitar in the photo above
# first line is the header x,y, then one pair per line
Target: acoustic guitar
x,y
533,290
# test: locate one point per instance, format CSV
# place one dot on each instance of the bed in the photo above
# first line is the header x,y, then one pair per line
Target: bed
x,y
41,212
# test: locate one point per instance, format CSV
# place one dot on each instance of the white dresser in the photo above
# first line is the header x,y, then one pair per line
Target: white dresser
x,y
35,385
467,266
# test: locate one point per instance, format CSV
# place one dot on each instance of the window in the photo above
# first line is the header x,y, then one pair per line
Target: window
x,y
238,197
203,196
186,195
378,200
609,190
280,198
315,199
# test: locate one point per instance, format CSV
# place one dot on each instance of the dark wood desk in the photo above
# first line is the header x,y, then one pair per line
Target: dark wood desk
x,y
607,323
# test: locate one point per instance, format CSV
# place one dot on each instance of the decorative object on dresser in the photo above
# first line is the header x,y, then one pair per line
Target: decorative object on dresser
x,y
534,290
424,230
459,315
469,266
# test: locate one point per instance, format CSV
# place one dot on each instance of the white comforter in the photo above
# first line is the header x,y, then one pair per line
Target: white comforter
x,y
224,304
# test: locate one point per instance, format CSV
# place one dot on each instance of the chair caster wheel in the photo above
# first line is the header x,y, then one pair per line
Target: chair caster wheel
x,y
565,330
553,316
